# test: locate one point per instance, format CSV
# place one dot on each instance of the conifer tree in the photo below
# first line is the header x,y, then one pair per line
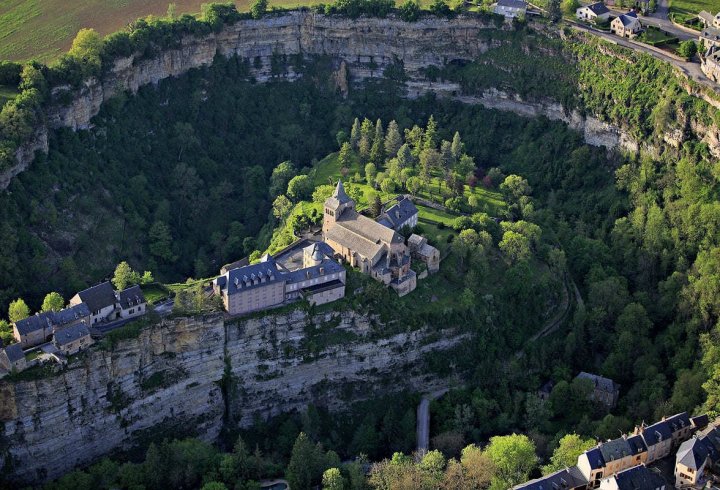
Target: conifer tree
x,y
377,152
430,140
366,138
355,134
393,140
457,146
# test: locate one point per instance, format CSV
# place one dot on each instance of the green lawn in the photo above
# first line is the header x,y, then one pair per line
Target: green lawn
x,y
654,36
154,293
6,94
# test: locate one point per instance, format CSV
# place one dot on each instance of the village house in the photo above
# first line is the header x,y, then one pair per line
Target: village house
x,y
101,301
421,250
699,422
376,250
708,19
662,436
39,328
605,390
107,305
402,214
710,63
12,358
131,302
510,8
593,13
694,456
566,479
626,25
592,466
710,37
266,284
73,339
635,478
611,457
620,463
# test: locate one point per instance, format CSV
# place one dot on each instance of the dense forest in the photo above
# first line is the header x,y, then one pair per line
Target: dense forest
x,y
639,236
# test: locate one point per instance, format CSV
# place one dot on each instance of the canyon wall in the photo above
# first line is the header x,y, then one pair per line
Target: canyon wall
x,y
362,47
169,380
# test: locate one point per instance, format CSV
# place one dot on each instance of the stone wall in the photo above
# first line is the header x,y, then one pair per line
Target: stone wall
x,y
168,381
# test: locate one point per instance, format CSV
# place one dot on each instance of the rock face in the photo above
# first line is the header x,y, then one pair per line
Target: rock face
x,y
363,48
170,379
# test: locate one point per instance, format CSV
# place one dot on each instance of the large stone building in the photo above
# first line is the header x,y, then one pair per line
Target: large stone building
x,y
375,249
267,284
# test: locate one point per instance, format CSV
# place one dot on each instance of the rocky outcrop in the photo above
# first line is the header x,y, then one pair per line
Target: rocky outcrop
x,y
172,379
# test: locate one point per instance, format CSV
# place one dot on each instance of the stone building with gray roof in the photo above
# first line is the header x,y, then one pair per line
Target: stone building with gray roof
x,y
73,339
566,479
635,478
12,358
605,390
401,214
377,250
101,301
694,456
39,328
267,284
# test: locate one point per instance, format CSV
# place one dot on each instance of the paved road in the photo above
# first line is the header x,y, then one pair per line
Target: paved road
x,y
423,426
423,421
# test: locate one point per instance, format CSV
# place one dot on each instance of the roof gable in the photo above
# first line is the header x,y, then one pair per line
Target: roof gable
x,y
99,296
130,297
71,334
14,352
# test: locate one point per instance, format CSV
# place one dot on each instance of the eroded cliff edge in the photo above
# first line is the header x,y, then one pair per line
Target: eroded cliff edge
x,y
362,47
190,376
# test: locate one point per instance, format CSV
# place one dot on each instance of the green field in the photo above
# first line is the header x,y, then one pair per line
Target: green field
x,y
694,6
44,29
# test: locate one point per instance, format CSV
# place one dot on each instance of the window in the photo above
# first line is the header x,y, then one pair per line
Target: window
x,y
132,310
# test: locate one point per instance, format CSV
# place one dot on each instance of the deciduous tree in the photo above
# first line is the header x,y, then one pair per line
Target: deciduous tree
x,y
53,302
18,310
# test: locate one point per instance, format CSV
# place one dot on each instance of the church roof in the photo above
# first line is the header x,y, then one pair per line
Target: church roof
x,y
338,198
368,228
357,243
340,194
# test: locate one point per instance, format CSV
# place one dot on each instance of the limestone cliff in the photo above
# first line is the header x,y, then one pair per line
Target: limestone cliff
x,y
363,48
169,379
